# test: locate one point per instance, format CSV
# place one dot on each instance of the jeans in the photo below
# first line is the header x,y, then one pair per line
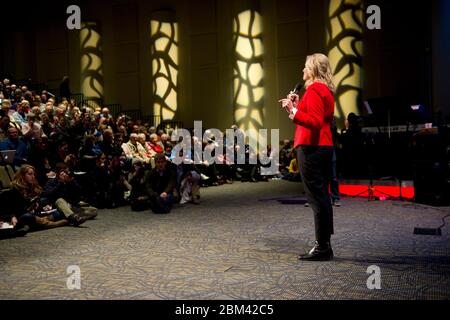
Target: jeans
x,y
55,219
159,205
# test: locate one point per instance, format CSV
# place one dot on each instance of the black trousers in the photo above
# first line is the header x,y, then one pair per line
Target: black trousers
x,y
315,168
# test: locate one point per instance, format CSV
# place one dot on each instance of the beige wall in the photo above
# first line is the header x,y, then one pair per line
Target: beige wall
x,y
57,54
291,30
297,29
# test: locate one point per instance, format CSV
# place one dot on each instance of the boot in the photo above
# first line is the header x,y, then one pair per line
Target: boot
x,y
75,220
86,212
89,212
320,252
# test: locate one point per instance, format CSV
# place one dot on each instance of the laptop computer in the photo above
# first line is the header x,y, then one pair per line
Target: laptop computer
x,y
7,156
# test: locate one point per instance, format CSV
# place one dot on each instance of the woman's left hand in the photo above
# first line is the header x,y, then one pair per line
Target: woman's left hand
x,y
287,104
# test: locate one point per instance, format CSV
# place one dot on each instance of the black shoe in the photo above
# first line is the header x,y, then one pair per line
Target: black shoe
x,y
318,253
22,231
75,220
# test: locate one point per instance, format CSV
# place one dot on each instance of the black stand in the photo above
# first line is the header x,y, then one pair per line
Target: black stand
x,y
382,110
371,188
371,191
400,197
399,176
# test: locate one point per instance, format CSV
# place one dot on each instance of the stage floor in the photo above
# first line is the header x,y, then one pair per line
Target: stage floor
x,y
241,242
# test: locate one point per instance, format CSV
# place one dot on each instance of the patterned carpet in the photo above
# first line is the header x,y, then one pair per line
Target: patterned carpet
x,y
241,242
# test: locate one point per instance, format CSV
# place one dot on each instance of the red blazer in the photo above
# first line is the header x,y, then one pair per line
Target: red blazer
x,y
314,117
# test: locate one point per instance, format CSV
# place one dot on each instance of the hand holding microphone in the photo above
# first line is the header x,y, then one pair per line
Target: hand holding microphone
x,y
293,95
292,98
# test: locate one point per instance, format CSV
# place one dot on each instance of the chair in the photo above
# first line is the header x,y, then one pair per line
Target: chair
x,y
6,173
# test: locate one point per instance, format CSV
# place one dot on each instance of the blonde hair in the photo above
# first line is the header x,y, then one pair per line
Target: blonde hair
x,y
28,191
320,68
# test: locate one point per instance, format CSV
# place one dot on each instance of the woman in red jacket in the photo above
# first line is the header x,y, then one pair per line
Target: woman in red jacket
x,y
313,116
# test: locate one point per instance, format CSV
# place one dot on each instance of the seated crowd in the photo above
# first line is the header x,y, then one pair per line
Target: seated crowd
x,y
71,160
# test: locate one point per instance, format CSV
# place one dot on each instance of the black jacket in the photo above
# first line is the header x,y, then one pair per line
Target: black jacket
x,y
156,183
13,204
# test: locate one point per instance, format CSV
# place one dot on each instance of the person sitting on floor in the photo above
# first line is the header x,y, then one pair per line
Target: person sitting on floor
x,y
293,169
9,226
65,186
138,198
160,185
24,203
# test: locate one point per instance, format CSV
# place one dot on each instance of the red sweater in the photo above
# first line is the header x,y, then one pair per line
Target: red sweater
x,y
314,117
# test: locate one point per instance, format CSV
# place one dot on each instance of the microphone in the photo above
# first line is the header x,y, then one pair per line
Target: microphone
x,y
297,88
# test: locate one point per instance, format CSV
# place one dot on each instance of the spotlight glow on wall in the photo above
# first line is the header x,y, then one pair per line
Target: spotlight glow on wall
x,y
344,39
91,61
248,70
164,39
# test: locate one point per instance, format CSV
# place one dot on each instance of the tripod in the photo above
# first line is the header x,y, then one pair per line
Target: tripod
x,y
371,189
